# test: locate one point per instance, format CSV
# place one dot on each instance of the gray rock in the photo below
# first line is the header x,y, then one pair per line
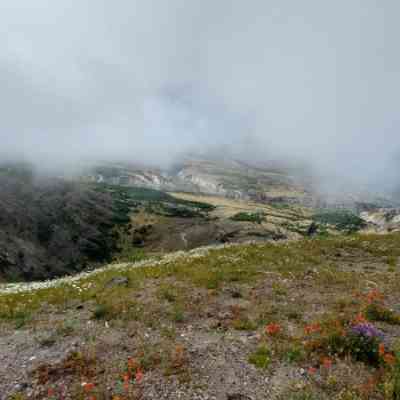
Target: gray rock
x,y
117,281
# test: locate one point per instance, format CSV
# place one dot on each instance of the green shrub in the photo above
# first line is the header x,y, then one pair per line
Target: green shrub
x,y
294,354
261,358
392,385
102,311
248,217
363,348
378,312
343,220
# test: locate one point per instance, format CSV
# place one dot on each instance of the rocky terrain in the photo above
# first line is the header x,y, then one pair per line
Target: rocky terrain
x,y
219,177
311,319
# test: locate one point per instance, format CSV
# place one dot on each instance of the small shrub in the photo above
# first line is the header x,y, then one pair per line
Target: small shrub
x,y
178,315
244,324
378,312
102,311
392,386
294,354
363,343
167,293
261,358
21,318
248,217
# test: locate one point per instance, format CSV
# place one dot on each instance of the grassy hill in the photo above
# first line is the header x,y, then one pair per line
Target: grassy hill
x,y
309,319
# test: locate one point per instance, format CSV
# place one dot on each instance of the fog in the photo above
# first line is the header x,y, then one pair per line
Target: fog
x,y
148,81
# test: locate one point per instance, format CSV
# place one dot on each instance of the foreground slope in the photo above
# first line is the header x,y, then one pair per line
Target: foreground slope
x,y
312,319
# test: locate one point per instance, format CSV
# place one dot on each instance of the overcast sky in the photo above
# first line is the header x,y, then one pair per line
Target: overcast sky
x,y
146,80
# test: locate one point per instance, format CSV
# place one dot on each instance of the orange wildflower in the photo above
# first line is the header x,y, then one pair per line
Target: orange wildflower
x,y
359,319
273,329
389,358
381,349
312,328
374,295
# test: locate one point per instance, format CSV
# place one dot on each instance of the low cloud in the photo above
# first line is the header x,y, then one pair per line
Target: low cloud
x,y
149,80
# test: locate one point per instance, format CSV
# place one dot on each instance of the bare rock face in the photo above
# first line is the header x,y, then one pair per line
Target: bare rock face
x,y
383,219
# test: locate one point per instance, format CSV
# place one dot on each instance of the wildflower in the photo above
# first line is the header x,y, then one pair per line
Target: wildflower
x,y
273,329
368,330
359,319
312,328
138,376
381,349
389,359
312,370
327,362
374,295
87,387
50,392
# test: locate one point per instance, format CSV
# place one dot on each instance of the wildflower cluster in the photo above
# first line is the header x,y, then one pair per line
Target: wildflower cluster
x,y
273,329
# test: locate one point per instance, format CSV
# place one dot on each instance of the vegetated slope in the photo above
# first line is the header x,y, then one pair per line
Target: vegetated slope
x,y
52,228
312,319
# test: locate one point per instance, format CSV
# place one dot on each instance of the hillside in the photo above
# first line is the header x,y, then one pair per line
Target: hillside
x,y
51,227
310,319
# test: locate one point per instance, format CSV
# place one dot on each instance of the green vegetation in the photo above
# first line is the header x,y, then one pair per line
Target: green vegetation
x,y
342,220
249,217
168,311
378,312
261,358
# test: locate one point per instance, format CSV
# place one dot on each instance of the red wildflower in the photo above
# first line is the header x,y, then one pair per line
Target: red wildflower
x,y
312,328
139,376
273,329
359,319
50,392
88,387
312,370
381,349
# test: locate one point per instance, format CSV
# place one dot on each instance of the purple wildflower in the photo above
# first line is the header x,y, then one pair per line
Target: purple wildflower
x,y
367,330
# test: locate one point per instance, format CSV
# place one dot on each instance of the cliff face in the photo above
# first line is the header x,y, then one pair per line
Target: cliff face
x,y
52,228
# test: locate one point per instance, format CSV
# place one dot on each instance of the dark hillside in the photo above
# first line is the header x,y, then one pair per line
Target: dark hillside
x,y
54,228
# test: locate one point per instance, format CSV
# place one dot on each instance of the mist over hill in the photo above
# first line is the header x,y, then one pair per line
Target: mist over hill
x,y
148,82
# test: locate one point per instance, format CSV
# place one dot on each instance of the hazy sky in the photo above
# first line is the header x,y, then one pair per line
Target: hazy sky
x,y
146,80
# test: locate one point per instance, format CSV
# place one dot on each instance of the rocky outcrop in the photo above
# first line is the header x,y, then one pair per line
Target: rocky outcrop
x,y
383,219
